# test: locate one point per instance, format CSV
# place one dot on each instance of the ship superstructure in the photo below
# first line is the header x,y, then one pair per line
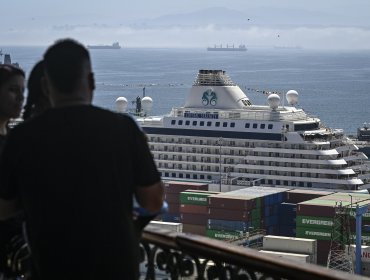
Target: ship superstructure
x,y
219,136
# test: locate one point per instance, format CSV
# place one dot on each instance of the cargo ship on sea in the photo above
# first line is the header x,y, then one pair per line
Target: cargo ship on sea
x,y
114,46
240,48
220,137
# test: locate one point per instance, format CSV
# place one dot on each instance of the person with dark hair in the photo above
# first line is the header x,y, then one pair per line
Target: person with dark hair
x,y
73,170
37,100
11,101
11,97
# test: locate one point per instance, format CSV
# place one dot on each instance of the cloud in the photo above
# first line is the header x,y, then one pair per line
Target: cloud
x,y
195,36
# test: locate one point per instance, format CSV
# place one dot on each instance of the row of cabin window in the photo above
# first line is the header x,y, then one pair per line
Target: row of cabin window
x,y
224,124
187,176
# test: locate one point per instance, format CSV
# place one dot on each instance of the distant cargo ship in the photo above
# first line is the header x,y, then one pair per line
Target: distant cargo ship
x,y
241,48
288,47
114,46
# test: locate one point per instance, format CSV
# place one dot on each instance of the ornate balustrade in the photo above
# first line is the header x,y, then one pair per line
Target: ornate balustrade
x,y
187,256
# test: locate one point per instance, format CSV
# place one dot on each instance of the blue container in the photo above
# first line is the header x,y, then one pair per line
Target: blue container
x,y
267,211
289,231
271,221
273,230
287,214
216,224
171,218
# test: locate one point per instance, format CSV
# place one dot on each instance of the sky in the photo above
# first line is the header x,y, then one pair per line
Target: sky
x,y
312,24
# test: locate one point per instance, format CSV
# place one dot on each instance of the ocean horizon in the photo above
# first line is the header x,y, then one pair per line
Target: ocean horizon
x,y
332,85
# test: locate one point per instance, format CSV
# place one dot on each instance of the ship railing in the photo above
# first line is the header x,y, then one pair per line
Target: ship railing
x,y
187,256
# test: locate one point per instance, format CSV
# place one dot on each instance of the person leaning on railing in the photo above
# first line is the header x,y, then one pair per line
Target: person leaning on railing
x,y
73,170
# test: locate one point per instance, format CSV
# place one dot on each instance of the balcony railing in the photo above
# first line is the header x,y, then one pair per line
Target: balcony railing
x,y
188,256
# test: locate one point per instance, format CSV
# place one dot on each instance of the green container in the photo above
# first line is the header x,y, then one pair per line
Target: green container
x,y
256,223
223,235
258,202
256,214
194,198
314,222
313,233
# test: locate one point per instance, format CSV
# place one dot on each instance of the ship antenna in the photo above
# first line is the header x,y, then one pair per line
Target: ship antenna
x,y
143,91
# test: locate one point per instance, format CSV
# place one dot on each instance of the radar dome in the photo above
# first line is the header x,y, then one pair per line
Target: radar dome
x,y
273,100
121,104
147,104
292,97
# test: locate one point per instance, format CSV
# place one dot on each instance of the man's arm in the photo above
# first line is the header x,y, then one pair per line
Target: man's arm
x,y
8,209
151,197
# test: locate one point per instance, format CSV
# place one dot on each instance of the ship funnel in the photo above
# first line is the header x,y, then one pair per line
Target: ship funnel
x,y
121,104
7,59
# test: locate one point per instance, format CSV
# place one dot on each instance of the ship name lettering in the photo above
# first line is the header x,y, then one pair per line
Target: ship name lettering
x,y
201,115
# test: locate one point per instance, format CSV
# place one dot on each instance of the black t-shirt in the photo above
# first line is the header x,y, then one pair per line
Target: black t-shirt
x,y
2,142
75,170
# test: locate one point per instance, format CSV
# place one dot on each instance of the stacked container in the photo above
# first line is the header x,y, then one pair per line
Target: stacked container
x,y
194,211
232,214
172,190
287,219
315,219
288,209
301,195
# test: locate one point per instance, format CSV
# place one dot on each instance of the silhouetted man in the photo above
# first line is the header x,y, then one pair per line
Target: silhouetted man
x,y
73,170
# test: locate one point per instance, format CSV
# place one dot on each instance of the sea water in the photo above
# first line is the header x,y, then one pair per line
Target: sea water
x,y
333,85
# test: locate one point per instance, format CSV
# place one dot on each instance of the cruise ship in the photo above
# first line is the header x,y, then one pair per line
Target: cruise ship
x,y
219,136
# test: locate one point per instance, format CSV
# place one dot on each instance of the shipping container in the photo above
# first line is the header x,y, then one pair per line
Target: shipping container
x,y
289,231
314,233
287,214
288,256
301,195
230,202
224,235
326,208
194,229
365,253
193,209
314,222
290,245
175,227
180,186
194,219
173,208
226,225
172,218
323,247
172,198
353,196
232,215
195,197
